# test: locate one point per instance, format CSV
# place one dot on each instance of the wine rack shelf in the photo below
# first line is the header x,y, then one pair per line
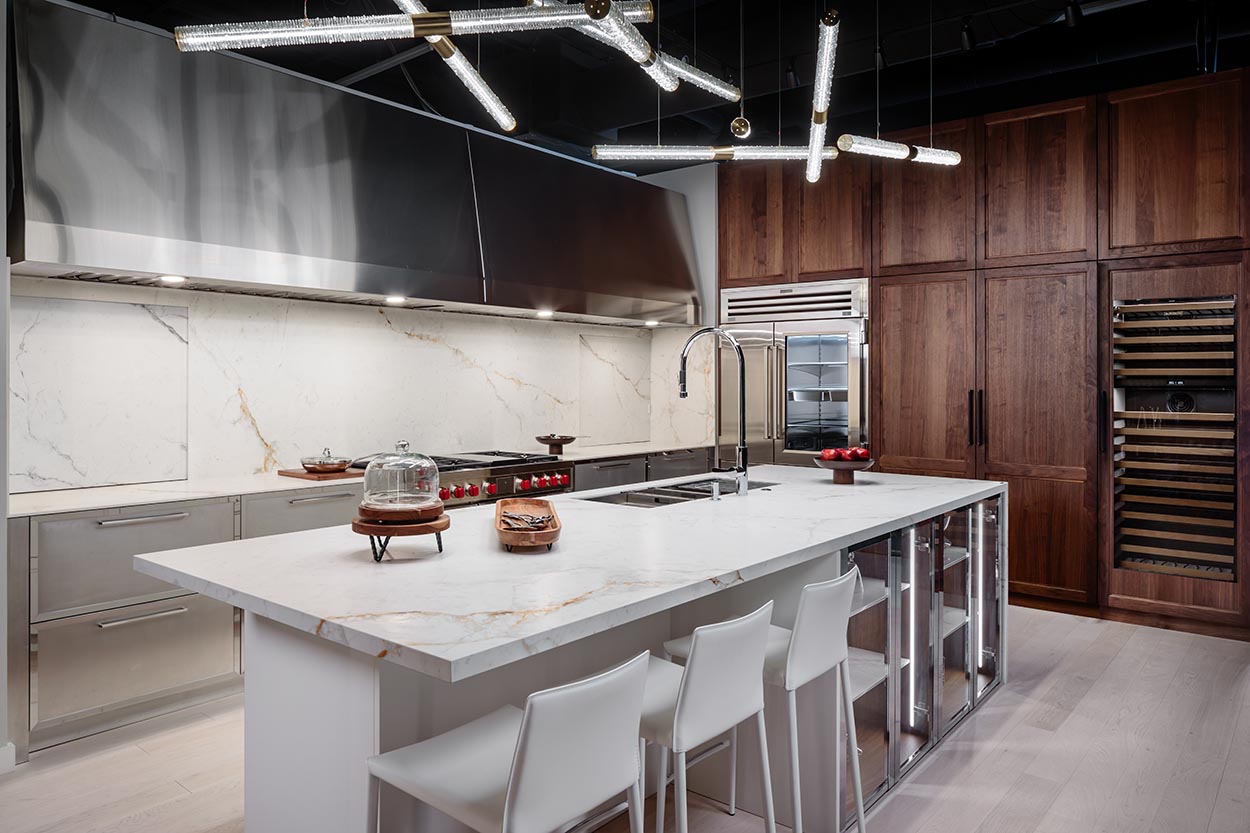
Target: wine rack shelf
x,y
1175,437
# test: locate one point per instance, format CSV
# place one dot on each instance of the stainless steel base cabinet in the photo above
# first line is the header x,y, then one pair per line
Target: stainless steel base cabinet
x,y
99,670
605,473
681,463
278,512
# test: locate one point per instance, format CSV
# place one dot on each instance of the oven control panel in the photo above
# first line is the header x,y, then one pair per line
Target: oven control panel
x,y
464,488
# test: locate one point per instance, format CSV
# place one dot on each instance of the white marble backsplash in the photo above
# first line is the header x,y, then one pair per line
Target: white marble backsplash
x,y
98,393
267,381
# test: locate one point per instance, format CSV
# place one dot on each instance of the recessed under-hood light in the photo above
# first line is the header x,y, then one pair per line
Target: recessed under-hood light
x,y
652,323
544,313
172,280
395,299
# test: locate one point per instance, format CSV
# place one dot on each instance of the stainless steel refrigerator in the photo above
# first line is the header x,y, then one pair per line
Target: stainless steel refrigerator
x,y
806,360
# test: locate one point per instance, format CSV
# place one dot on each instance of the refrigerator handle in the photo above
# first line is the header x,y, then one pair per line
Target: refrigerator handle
x,y
770,421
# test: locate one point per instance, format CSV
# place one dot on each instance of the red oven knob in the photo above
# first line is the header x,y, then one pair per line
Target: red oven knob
x,y
544,481
492,488
444,493
474,490
565,480
524,485
458,491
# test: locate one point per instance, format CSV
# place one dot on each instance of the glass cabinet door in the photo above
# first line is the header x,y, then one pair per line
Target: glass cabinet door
x,y
955,651
986,519
868,636
816,392
914,700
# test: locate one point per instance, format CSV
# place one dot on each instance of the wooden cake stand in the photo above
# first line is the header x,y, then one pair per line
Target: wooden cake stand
x,y
381,525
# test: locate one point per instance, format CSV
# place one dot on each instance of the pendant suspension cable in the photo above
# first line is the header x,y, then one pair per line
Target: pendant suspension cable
x,y
742,61
779,77
877,64
930,73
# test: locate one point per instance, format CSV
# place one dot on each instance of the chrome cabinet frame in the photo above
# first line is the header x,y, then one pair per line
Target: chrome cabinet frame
x,y
18,639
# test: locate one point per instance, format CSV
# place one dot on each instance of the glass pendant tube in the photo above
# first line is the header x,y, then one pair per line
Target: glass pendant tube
x,y
873,147
609,20
319,30
697,77
703,153
826,54
935,156
465,71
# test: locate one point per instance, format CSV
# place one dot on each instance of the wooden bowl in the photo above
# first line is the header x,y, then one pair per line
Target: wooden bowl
x,y
521,538
555,442
844,470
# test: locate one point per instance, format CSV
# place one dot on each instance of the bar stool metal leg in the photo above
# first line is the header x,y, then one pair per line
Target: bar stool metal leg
x,y
635,808
852,744
796,798
660,790
733,770
679,794
770,819
839,759
371,809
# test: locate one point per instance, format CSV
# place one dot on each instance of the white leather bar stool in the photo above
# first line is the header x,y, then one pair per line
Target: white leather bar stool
x,y
795,658
534,771
720,687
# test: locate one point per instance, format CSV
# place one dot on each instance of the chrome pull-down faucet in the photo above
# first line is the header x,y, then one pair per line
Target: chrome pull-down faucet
x,y
740,464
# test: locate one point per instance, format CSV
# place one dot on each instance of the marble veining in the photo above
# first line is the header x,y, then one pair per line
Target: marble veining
x,y
476,607
98,393
266,381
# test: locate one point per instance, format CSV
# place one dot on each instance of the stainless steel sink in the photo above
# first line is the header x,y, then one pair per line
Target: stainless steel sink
x,y
651,497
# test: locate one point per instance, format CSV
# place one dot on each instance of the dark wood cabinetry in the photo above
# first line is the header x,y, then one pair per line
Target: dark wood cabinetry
x,y
924,215
831,220
1038,394
1173,167
751,225
923,355
1038,175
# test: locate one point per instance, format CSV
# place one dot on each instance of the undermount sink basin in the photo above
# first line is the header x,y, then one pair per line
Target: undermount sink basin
x,y
651,497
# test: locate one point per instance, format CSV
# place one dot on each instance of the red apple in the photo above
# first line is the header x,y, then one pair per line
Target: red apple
x,y
844,454
828,454
861,453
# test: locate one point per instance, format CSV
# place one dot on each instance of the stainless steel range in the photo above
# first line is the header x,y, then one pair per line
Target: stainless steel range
x,y
487,476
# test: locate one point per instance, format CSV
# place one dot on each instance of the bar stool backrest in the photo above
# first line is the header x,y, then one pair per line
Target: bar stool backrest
x,y
578,747
723,683
819,639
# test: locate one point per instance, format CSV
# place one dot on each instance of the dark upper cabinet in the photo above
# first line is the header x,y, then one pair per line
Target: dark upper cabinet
x,y
1173,167
752,223
830,221
925,215
1038,178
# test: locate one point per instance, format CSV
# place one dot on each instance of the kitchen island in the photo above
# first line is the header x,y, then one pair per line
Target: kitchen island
x,y
345,657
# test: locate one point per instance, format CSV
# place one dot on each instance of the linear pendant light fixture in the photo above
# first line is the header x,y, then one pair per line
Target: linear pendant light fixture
x,y
670,66
703,153
320,30
465,71
625,36
826,53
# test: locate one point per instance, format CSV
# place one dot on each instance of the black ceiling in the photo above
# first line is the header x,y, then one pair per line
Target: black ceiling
x,y
569,92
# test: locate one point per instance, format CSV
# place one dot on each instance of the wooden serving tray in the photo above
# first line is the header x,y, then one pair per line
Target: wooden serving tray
x,y
333,475
530,506
370,513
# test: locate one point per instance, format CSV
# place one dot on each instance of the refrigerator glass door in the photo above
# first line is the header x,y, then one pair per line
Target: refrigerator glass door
x,y
758,349
818,395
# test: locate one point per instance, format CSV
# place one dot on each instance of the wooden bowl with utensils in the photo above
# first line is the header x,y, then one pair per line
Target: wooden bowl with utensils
x,y
526,522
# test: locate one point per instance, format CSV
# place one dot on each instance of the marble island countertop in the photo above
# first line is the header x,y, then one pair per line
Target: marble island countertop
x,y
476,607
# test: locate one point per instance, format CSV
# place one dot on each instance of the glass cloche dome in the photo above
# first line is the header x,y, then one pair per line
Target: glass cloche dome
x,y
403,482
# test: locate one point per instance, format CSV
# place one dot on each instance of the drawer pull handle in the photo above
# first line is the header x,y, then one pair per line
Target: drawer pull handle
x,y
319,498
147,519
159,614
620,465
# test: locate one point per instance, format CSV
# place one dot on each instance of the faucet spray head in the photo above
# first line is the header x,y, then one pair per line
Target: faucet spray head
x,y
681,382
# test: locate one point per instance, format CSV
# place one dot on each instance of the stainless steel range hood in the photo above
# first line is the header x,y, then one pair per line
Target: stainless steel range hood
x,y
137,161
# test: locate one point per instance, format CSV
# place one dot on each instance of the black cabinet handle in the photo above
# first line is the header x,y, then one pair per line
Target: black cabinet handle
x,y
1102,422
972,431
982,438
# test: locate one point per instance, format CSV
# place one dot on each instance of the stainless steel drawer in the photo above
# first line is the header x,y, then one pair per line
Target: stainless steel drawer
x,y
275,513
83,561
588,476
668,464
93,672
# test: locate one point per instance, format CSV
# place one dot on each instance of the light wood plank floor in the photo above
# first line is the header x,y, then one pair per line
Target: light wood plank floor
x,y
1105,727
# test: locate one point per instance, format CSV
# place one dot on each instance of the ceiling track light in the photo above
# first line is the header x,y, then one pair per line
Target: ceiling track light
x,y
967,37
321,30
826,54
704,153
1072,13
465,71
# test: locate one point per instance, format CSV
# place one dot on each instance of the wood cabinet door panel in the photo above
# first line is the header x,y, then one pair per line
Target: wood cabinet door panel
x,y
1052,549
924,215
831,220
1038,184
751,224
924,362
1174,167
